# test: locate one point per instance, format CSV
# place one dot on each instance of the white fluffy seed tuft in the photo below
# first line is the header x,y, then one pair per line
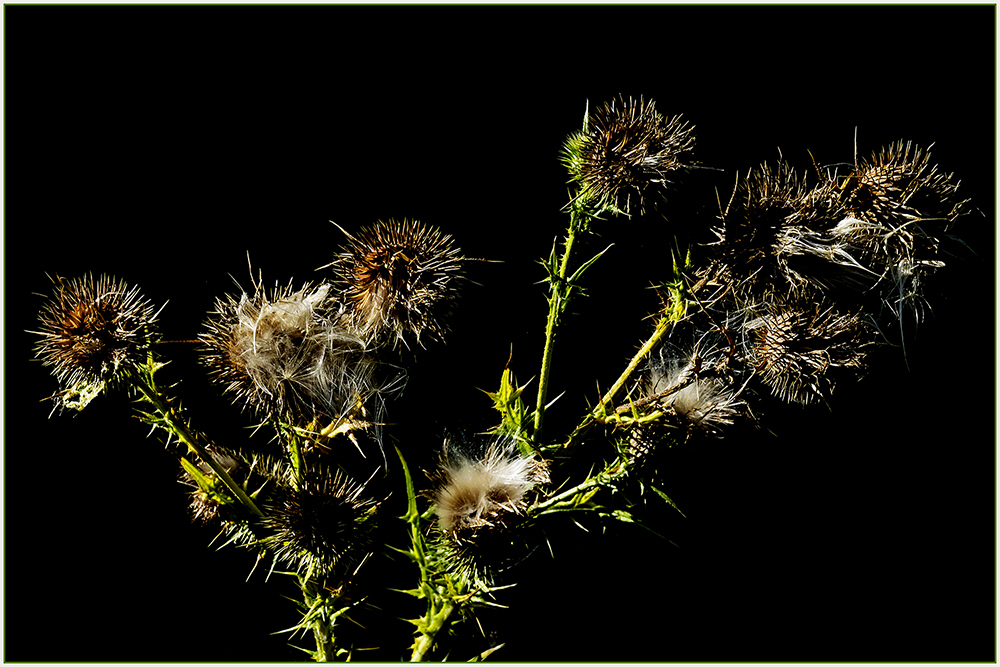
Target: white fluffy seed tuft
x,y
482,493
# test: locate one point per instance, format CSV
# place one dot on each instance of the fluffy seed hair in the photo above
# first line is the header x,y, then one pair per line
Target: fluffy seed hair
x,y
398,280
481,494
626,148
92,330
321,522
287,354
706,400
800,350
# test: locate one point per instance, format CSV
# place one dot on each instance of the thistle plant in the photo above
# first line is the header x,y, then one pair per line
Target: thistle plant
x,y
781,298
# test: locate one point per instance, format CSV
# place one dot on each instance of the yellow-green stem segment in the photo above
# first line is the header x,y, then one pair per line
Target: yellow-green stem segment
x,y
177,426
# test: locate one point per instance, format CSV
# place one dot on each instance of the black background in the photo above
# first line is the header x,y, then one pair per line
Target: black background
x,y
162,144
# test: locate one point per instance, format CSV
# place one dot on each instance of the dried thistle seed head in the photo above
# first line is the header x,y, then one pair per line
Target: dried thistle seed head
x,y
482,494
897,204
92,330
627,149
694,384
288,354
899,184
758,212
321,522
398,280
478,500
776,238
801,349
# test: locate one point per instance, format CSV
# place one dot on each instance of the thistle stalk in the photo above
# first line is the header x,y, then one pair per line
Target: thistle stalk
x,y
170,420
557,303
579,494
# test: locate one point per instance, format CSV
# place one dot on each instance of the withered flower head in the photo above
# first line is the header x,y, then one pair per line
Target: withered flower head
x,y
321,522
398,279
899,184
800,350
758,212
92,330
627,147
696,388
481,494
898,206
288,354
776,237
478,500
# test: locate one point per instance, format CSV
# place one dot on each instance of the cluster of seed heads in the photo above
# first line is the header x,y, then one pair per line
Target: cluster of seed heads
x,y
803,276
876,231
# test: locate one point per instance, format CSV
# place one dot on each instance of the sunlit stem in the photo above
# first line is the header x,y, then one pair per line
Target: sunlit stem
x,y
557,299
663,327
176,425
573,497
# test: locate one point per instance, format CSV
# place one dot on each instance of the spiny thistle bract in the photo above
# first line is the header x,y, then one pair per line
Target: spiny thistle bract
x,y
288,354
800,348
92,330
398,279
627,147
319,522
478,500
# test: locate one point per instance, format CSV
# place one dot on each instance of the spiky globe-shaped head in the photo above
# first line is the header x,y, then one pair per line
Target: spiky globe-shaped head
x,y
899,184
761,207
92,330
626,150
479,501
321,522
398,280
800,350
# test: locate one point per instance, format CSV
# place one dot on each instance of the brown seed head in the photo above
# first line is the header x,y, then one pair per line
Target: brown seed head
x,y
93,329
398,280
800,350
320,523
628,147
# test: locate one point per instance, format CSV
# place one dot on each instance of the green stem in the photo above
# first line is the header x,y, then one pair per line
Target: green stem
x,y
322,626
176,425
557,303
439,609
663,327
618,469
